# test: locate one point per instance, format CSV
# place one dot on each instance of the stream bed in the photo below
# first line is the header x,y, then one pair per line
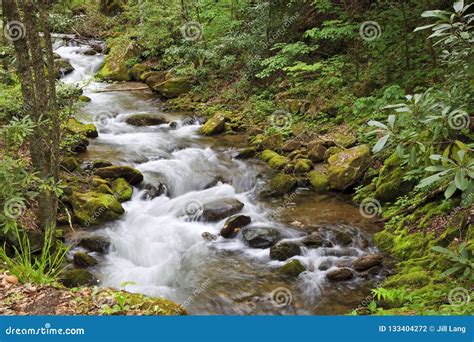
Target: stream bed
x,y
157,247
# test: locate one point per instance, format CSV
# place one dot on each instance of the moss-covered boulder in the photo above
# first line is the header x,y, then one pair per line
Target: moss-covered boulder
x,y
248,152
291,145
278,162
113,70
131,175
136,71
390,184
78,277
214,125
84,260
75,127
319,181
316,151
284,250
93,208
293,268
121,189
173,87
303,166
264,142
152,78
347,167
69,164
267,155
63,67
281,184
332,151
146,120
99,163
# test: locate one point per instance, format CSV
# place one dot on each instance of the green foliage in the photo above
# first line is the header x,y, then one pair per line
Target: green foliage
x,y
462,259
45,268
394,295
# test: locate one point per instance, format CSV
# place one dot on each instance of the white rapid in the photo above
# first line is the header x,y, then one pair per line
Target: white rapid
x,y
157,247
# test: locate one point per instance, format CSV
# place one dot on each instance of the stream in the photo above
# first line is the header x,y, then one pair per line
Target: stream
x,y
157,248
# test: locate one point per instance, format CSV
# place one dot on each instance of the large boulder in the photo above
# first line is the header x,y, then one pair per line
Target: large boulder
x,y
261,237
347,167
78,277
96,244
121,189
131,175
234,224
368,261
75,127
316,151
214,125
280,184
93,208
63,67
220,209
284,250
145,120
340,274
292,268
153,78
173,87
319,181
391,183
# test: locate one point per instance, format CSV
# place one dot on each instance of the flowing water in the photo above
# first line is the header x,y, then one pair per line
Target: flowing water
x,y
156,249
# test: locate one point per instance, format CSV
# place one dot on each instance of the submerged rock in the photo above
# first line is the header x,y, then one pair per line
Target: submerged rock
x,y
84,260
367,262
145,120
284,250
220,209
78,277
214,125
293,268
155,190
233,225
347,167
261,237
131,175
97,244
340,274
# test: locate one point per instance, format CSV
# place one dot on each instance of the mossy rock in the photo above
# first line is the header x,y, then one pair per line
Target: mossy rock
x,y
98,163
84,260
104,189
111,7
93,208
293,268
272,142
303,166
246,153
332,151
131,175
136,71
96,244
267,155
390,184
278,162
214,125
281,184
174,87
347,167
76,127
69,164
122,189
63,67
284,250
319,181
153,78
84,98
316,152
78,277
146,120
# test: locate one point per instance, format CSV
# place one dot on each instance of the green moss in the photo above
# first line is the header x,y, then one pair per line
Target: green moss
x,y
93,208
390,184
418,278
121,189
267,155
113,70
214,125
78,128
319,181
303,166
292,268
174,87
137,70
281,184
